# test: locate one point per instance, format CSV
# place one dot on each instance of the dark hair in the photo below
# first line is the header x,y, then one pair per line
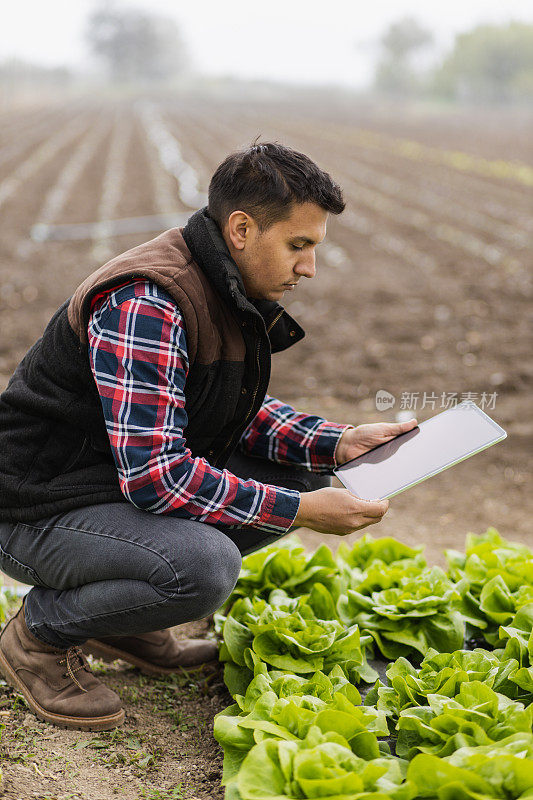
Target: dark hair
x,y
265,180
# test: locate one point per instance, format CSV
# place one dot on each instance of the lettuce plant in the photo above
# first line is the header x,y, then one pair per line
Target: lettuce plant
x,y
373,565
475,716
517,638
442,674
503,770
284,566
320,766
287,707
417,614
488,555
499,577
286,635
367,552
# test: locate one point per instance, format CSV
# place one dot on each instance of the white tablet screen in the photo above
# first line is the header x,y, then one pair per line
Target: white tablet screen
x,y
410,458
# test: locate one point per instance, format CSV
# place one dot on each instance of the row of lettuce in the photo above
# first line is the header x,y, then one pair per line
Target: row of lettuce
x,y
451,723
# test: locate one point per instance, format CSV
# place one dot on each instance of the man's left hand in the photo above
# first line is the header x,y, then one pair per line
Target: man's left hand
x,y
355,441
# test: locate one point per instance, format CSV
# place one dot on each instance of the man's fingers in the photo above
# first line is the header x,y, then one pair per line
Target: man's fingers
x,y
375,508
407,426
394,428
370,521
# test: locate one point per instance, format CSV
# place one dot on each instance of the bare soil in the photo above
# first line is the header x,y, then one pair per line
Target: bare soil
x,y
164,749
423,287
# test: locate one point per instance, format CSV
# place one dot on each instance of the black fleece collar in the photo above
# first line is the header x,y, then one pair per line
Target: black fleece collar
x,y
209,250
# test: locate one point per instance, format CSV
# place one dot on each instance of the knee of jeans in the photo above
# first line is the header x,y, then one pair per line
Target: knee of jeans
x,y
319,481
308,482
209,576
216,574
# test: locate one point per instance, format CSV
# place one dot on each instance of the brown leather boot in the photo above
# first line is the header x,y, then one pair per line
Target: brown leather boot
x,y
58,685
156,653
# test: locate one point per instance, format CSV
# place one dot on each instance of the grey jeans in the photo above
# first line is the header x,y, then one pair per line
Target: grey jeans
x,y
112,569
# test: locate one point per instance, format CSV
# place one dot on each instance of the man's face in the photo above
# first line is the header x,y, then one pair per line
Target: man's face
x,y
273,261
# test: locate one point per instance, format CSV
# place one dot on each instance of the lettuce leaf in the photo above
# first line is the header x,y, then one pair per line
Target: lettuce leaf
x,y
499,577
443,674
502,771
287,566
286,635
418,613
475,716
321,766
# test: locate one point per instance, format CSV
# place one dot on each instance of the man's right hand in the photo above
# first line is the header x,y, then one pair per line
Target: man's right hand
x,y
338,511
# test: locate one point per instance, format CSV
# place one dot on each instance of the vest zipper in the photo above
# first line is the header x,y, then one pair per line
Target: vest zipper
x,y
274,321
258,381
253,396
278,315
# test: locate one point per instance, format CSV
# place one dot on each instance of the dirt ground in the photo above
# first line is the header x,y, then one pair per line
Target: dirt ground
x,y
423,289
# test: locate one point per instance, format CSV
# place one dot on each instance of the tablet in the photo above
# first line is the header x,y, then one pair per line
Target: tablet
x,y
413,457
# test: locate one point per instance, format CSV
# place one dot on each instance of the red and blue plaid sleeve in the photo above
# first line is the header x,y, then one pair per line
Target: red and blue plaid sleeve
x,y
138,356
279,433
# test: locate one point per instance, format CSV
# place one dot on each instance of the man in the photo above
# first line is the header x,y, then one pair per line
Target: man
x,y
141,455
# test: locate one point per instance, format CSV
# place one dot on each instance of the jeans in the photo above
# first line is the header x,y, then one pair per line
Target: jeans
x,y
113,569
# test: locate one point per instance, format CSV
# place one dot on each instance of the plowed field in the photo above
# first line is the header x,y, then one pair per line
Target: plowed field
x,y
423,289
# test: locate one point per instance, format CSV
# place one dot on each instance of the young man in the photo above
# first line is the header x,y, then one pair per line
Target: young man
x,y
141,455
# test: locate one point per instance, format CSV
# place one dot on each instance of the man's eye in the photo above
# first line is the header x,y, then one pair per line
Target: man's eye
x,y
296,247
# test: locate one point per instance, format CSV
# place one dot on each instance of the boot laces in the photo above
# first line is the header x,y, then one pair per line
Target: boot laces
x,y
71,655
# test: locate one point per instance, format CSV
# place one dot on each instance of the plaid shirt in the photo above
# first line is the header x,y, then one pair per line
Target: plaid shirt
x,y
138,356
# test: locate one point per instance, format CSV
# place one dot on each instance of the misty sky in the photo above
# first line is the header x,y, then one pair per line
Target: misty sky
x,y
297,40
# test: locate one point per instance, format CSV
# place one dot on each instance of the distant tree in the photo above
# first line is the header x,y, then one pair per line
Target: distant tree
x,y
491,63
136,45
395,72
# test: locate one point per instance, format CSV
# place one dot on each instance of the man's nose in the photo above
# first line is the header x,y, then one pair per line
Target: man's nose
x,y
306,265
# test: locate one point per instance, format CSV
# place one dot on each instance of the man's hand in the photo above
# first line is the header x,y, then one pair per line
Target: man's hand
x,y
356,441
338,511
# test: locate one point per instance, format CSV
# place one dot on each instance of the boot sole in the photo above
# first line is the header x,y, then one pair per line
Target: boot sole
x,y
63,721
109,653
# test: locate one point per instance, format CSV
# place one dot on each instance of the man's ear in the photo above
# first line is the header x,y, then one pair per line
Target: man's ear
x,y
238,228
